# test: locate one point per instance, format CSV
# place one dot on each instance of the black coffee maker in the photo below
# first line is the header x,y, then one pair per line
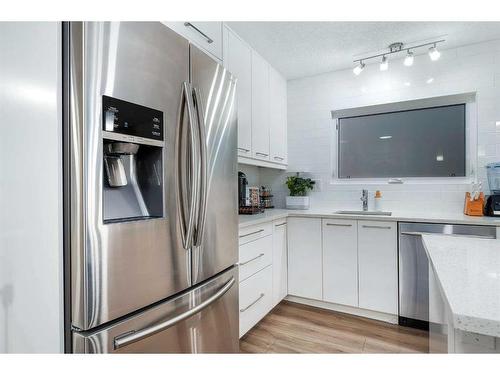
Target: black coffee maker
x,y
242,190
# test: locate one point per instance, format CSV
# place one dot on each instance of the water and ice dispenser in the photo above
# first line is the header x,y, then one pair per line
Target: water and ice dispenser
x,y
133,142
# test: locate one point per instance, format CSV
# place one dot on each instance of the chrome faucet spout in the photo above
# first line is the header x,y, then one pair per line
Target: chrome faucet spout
x,y
364,199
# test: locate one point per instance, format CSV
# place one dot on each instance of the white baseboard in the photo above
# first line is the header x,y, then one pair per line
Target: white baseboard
x,y
389,318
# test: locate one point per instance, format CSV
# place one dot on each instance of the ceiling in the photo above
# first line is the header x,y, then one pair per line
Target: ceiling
x,y
300,49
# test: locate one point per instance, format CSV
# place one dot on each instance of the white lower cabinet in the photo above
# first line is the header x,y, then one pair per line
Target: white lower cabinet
x,y
304,258
256,298
340,261
262,270
377,265
280,274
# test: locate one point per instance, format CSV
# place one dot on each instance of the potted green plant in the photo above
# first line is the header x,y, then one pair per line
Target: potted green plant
x,y
298,187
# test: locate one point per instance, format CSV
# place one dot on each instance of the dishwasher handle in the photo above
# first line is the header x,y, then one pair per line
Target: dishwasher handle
x,y
451,235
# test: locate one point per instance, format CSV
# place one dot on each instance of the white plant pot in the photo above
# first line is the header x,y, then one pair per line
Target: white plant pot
x,y
297,203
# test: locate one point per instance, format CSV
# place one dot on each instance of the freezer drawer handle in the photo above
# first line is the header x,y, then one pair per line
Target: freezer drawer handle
x,y
189,24
249,234
134,336
253,303
251,260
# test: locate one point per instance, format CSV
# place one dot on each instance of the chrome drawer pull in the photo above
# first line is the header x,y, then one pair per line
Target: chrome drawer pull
x,y
279,225
253,303
279,158
261,154
251,260
249,234
243,149
189,24
339,225
375,227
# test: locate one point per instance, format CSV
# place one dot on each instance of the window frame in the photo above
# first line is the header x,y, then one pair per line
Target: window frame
x,y
471,161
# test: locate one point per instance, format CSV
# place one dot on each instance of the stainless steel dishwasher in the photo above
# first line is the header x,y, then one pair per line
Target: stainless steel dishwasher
x,y
414,269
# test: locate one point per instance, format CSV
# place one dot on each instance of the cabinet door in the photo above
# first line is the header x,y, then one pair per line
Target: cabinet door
x,y
304,258
378,269
205,35
260,107
280,282
340,261
277,116
238,60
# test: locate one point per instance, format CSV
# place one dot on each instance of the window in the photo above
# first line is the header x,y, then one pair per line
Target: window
x,y
423,142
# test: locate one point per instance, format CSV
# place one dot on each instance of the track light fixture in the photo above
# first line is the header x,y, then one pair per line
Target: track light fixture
x,y
384,65
434,55
359,68
409,58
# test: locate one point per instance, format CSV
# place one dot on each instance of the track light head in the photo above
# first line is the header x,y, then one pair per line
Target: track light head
x,y
358,68
409,59
384,65
434,54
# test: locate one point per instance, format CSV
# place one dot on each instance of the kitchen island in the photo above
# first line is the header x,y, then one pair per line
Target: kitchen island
x,y
464,294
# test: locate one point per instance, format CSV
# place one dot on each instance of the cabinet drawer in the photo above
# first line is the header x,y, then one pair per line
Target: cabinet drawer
x,y
255,256
206,35
255,298
254,232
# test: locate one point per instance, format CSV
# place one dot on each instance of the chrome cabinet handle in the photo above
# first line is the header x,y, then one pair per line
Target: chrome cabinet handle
x,y
187,204
200,227
249,234
376,227
279,225
134,336
243,149
261,154
253,303
189,24
279,158
339,225
251,260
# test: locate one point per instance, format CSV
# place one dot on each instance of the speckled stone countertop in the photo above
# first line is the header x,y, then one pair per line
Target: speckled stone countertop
x,y
468,271
403,216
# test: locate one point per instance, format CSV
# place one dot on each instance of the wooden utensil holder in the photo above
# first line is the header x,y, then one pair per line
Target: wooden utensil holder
x,y
474,207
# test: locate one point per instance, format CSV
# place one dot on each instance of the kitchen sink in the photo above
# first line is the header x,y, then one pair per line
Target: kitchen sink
x,y
369,213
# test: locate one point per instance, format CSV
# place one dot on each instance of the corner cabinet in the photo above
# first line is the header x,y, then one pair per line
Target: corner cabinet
x,y
261,96
305,258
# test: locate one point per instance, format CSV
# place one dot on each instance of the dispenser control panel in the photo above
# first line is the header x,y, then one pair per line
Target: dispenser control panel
x,y
128,118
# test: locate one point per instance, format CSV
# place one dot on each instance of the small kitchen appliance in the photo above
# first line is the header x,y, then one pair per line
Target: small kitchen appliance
x,y
492,207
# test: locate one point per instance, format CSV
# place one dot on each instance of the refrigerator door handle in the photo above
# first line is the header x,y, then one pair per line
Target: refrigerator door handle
x,y
187,208
203,168
134,336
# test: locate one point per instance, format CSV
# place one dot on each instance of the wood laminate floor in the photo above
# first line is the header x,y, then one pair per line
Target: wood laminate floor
x,y
296,328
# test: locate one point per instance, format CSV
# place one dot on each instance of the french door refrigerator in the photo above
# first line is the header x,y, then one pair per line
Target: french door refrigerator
x,y
150,192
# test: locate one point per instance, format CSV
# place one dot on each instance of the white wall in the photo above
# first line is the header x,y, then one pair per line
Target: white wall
x,y
31,304
310,100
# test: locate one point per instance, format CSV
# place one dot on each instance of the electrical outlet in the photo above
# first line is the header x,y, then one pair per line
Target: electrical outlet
x,y
318,186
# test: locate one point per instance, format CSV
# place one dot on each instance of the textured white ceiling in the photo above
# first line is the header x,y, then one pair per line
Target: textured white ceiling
x,y
300,49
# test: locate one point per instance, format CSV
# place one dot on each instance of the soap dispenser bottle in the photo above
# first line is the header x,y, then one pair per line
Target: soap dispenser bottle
x,y
378,201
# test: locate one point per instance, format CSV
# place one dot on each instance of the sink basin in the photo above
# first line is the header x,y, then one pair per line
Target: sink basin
x,y
360,212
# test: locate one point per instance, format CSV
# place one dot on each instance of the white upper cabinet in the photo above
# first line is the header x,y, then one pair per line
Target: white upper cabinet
x,y
304,258
260,107
378,269
277,115
340,261
238,60
205,35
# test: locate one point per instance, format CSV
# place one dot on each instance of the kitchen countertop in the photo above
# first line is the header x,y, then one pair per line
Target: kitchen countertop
x,y
424,217
468,272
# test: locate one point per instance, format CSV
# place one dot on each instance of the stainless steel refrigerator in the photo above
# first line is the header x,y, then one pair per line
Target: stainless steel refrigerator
x,y
150,192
